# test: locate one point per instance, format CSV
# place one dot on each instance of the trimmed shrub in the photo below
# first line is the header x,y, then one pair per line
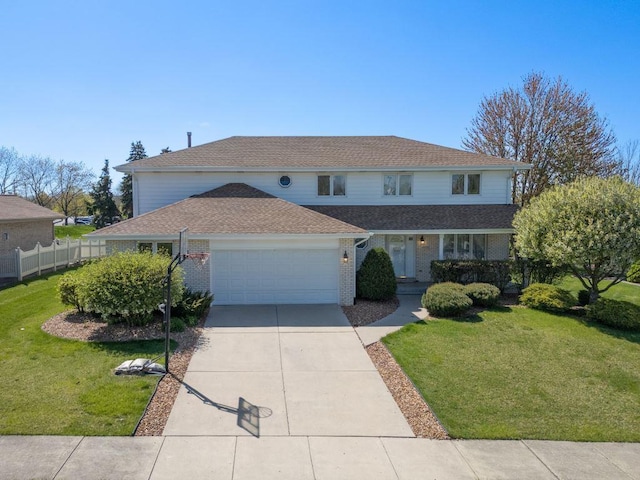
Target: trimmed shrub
x,y
376,279
583,297
482,294
67,289
124,287
446,300
494,272
193,304
543,296
633,275
615,313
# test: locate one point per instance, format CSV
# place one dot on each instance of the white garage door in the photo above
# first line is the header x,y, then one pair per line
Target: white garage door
x,y
274,276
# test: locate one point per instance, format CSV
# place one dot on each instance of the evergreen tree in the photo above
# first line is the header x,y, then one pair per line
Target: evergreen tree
x,y
126,186
376,279
103,207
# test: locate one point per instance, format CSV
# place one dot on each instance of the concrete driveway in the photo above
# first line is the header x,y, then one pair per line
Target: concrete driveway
x,y
303,366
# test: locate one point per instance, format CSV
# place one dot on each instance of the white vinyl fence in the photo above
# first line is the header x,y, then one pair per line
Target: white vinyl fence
x,y
61,253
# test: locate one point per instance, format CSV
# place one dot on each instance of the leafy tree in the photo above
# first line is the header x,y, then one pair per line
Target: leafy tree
x,y
126,186
71,181
546,124
37,175
9,168
592,226
103,208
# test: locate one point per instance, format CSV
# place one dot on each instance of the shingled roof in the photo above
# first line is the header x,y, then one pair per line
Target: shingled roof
x,y
423,217
17,209
235,208
317,153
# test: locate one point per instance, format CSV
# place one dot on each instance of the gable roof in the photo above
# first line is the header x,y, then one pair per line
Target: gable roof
x,y
317,153
233,209
423,217
17,209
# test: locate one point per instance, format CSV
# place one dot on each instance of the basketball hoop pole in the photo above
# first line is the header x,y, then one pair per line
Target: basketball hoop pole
x,y
177,260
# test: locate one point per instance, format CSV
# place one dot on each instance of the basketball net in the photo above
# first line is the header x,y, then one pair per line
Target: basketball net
x,y
199,259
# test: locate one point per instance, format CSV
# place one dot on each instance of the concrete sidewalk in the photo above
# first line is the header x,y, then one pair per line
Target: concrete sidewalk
x,y
301,458
288,392
409,311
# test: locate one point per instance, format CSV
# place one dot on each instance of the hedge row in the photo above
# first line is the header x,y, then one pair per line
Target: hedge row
x,y
495,272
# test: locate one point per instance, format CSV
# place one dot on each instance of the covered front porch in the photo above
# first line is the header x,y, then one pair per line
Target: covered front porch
x,y
412,253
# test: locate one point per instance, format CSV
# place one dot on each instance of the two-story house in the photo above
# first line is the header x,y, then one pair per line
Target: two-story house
x,y
290,219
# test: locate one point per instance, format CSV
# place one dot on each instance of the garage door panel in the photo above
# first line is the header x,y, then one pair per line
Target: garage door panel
x,y
275,276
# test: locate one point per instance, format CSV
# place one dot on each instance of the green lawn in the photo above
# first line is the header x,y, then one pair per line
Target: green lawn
x,y
629,292
520,373
73,231
52,386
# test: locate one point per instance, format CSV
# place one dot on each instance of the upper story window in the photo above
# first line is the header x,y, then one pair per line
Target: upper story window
x,y
465,184
335,185
397,184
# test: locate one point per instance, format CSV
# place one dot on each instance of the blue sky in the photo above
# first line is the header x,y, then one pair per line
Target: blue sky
x,y
81,80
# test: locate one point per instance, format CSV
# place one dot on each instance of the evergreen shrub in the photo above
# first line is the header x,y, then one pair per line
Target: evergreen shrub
x,y
542,296
482,294
615,313
583,297
446,300
376,280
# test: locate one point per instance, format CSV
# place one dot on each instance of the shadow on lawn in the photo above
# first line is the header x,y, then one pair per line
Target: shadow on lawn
x,y
133,347
473,316
629,336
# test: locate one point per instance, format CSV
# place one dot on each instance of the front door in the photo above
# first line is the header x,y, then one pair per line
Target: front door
x,y
397,251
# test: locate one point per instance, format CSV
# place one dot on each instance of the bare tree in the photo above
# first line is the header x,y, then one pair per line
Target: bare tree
x,y
37,175
546,124
72,180
9,168
629,162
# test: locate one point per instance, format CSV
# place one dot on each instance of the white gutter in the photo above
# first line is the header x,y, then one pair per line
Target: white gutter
x,y
213,236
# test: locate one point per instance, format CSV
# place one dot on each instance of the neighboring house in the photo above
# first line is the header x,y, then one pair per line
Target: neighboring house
x,y
290,219
23,224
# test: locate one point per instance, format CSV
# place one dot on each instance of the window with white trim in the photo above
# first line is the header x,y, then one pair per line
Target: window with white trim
x,y
465,184
396,184
464,246
332,185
